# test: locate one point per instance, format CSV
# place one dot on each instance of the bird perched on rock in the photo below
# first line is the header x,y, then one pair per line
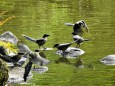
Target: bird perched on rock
x,y
78,39
40,41
62,47
77,27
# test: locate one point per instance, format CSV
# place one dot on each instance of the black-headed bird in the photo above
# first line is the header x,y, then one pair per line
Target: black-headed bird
x,y
40,41
62,47
77,27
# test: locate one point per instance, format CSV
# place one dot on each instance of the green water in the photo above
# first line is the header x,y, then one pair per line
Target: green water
x,y
36,17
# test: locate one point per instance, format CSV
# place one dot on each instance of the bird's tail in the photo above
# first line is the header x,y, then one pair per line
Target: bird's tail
x,y
86,39
29,38
69,24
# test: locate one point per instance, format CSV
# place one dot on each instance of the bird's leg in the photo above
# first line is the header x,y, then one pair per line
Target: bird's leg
x,y
44,48
78,45
39,47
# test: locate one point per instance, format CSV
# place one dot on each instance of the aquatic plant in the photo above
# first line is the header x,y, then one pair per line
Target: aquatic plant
x,y
5,20
10,48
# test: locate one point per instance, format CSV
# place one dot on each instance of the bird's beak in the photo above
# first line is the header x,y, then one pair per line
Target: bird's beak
x,y
48,35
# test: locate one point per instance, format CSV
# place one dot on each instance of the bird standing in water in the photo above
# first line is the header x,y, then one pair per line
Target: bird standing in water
x,y
77,27
78,39
40,41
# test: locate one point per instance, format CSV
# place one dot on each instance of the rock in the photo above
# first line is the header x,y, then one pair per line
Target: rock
x,y
9,37
71,52
108,60
3,73
16,75
40,69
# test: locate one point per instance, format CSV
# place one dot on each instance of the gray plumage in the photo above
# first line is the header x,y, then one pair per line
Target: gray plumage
x,y
40,41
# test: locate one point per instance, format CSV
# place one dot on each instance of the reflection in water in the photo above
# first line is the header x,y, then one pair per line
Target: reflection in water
x,y
62,59
79,63
42,54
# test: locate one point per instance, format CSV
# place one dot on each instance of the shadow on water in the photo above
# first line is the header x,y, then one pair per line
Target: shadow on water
x,y
79,63
42,54
62,60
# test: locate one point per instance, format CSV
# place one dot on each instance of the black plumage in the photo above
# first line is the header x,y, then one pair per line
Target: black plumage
x,y
27,70
14,59
2,50
62,47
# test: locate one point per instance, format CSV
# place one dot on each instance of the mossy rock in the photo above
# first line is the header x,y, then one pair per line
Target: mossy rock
x,y
3,73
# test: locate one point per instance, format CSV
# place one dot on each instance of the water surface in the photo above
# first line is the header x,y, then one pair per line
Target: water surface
x,y
37,17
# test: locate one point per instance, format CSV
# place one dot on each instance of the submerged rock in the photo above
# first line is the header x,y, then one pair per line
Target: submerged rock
x,y
108,60
40,69
71,52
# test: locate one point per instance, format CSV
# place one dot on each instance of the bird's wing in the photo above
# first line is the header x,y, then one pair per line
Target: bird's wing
x,y
27,70
69,24
29,38
40,40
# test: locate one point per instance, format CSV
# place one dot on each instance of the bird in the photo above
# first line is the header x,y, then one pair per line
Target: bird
x,y
78,39
34,58
62,47
77,27
14,59
40,41
27,70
